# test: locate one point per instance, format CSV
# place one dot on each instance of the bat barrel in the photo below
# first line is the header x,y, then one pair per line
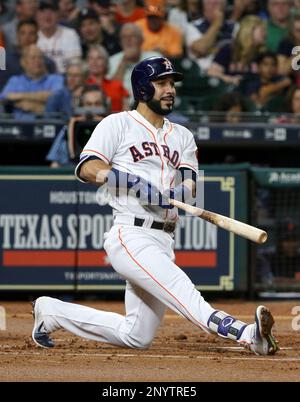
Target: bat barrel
x,y
239,228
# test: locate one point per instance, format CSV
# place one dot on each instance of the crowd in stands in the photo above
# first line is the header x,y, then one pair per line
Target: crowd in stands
x,y
240,49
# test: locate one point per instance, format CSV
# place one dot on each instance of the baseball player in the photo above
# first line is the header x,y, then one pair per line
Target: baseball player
x,y
137,154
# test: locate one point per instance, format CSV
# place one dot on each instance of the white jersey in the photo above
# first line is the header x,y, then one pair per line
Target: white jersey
x,y
61,47
129,143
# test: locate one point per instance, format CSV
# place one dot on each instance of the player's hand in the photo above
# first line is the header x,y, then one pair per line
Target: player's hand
x,y
148,194
145,191
181,193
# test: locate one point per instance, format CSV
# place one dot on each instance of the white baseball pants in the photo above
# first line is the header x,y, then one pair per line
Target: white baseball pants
x,y
144,257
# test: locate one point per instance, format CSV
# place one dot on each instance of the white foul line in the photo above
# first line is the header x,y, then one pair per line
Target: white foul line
x,y
150,356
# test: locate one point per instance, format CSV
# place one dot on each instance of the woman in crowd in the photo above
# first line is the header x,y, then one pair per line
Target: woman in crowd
x,y
97,60
236,60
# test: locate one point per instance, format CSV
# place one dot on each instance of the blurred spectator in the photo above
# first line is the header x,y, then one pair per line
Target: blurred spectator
x,y
2,41
242,8
122,63
57,42
27,34
29,92
292,108
209,33
91,33
92,99
182,14
67,99
25,9
286,45
277,26
286,261
230,108
267,84
68,13
159,35
295,10
128,11
106,10
234,61
6,12
98,62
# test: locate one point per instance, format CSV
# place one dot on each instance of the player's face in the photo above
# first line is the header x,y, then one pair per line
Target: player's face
x,y
163,100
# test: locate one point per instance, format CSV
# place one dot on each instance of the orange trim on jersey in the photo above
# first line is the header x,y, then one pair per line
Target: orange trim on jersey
x,y
158,283
170,129
153,136
167,133
96,152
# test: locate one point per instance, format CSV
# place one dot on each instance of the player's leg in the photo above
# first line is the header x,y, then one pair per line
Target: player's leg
x,y
145,257
137,329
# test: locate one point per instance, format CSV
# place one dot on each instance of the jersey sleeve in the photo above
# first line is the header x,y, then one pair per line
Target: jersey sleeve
x,y
102,144
189,158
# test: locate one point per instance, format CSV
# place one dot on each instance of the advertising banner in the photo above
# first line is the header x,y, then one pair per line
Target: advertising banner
x,y
52,233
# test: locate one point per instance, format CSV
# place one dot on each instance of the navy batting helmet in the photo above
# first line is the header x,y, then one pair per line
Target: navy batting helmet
x,y
148,70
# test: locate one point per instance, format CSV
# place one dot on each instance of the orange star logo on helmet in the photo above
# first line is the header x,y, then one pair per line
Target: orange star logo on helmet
x,y
168,64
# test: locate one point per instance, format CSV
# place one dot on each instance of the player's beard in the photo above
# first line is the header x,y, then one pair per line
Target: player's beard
x,y
155,106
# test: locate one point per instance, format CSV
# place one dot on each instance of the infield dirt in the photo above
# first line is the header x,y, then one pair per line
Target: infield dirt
x,y
180,352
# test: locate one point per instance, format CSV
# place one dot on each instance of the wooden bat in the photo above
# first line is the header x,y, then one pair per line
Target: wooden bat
x,y
232,225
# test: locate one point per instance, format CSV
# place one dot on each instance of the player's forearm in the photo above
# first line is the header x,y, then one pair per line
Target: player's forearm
x,y
94,171
191,186
184,192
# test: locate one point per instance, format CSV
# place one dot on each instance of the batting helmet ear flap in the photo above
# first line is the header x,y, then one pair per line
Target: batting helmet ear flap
x,y
146,93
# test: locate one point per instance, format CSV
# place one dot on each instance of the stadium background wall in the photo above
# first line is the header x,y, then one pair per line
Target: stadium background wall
x,y
52,228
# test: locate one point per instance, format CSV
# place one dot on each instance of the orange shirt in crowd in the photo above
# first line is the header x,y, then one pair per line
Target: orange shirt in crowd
x,y
114,90
137,14
168,40
1,40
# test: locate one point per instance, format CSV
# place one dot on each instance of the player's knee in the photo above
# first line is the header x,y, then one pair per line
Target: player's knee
x,y
135,343
141,345
42,301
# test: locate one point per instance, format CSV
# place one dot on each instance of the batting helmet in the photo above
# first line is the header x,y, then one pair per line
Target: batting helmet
x,y
148,70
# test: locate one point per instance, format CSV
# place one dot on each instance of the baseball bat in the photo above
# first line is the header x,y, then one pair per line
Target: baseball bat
x,y
242,229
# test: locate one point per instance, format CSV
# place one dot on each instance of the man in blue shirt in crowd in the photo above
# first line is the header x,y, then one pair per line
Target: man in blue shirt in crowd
x,y
28,93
